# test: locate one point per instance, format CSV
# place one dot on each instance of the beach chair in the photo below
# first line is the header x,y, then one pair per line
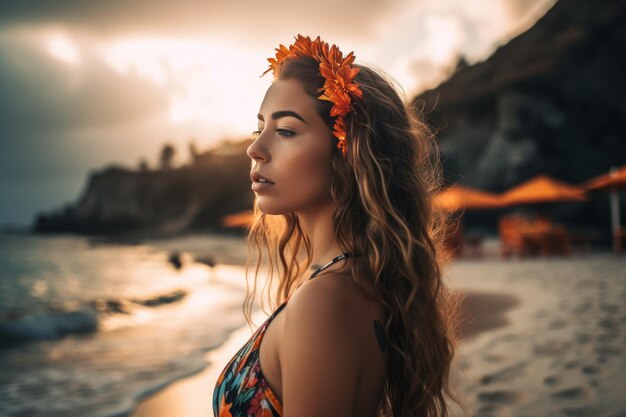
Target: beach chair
x,y
511,238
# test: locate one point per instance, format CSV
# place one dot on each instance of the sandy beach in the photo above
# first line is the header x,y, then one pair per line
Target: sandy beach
x,y
542,336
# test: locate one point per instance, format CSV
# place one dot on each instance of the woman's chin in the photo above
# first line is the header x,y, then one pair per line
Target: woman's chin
x,y
268,208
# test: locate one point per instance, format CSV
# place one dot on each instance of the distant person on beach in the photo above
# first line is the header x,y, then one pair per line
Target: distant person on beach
x,y
344,175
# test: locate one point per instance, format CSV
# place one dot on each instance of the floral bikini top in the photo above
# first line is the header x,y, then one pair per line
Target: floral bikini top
x,y
241,390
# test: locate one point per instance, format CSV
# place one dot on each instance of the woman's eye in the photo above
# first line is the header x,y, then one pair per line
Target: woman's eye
x,y
286,133
282,132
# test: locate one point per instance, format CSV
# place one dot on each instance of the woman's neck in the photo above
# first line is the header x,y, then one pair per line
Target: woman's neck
x,y
317,225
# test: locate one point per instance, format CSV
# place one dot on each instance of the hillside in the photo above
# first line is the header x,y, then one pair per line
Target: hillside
x,y
551,101
194,196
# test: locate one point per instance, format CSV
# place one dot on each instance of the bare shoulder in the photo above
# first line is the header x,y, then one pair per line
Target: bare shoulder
x,y
332,300
323,353
330,292
324,306
333,309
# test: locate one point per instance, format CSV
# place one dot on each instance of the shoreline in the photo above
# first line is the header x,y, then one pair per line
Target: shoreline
x,y
192,395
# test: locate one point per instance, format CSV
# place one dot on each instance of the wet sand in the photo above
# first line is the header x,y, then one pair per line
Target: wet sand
x,y
485,311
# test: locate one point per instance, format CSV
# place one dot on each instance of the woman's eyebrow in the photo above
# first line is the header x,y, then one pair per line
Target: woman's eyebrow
x,y
283,113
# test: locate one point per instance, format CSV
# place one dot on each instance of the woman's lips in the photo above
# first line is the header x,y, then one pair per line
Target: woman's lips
x,y
261,185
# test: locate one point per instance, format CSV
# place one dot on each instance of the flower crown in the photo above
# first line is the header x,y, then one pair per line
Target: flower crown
x,y
336,69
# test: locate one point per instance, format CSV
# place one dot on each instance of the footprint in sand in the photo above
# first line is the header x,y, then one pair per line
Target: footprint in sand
x,y
583,411
605,351
551,380
608,324
590,370
506,374
571,393
500,397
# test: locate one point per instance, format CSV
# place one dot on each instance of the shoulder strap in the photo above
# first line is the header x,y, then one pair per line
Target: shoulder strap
x,y
329,263
332,261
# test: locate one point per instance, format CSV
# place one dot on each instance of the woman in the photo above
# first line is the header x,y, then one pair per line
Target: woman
x,y
344,176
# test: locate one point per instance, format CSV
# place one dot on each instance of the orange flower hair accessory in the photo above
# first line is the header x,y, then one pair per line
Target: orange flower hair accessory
x,y
337,71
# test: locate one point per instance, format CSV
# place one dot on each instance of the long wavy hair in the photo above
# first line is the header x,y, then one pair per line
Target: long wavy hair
x,y
383,193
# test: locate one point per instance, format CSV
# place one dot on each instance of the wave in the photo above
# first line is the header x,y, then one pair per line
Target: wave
x,y
16,328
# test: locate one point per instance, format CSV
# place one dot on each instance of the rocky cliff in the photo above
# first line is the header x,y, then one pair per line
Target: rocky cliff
x,y
552,100
194,196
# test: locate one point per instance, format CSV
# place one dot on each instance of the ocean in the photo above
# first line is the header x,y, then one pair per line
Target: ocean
x,y
88,329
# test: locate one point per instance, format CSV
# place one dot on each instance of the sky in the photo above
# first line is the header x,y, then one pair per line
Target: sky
x,y
88,84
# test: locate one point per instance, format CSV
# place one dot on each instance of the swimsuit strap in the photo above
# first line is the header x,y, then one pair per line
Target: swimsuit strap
x,y
332,261
317,271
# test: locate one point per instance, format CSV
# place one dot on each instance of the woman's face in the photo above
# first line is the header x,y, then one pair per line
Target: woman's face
x,y
293,150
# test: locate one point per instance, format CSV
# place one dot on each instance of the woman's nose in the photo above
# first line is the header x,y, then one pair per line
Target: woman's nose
x,y
257,151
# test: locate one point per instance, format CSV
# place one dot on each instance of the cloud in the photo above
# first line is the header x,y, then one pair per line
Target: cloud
x,y
420,41
41,92
236,18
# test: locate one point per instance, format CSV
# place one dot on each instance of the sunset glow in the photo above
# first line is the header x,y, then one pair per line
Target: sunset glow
x,y
208,83
60,47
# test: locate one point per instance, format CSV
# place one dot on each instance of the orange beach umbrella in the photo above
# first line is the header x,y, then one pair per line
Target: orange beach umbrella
x,y
458,197
241,219
543,189
616,178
